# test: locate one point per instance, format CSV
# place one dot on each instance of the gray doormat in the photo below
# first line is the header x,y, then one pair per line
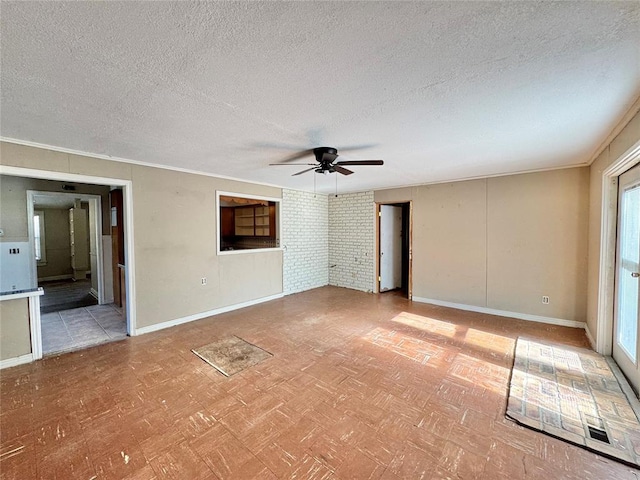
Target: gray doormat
x,y
231,355
573,394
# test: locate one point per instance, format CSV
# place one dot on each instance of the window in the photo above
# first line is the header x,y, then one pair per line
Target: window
x,y
247,223
38,233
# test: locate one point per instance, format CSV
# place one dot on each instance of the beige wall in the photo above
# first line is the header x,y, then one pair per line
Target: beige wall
x,y
502,242
623,141
175,246
174,228
13,198
15,339
537,226
450,242
57,243
48,160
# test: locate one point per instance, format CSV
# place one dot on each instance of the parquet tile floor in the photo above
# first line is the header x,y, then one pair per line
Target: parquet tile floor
x,y
359,386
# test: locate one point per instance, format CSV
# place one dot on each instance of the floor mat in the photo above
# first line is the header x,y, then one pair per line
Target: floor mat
x,y
573,394
231,355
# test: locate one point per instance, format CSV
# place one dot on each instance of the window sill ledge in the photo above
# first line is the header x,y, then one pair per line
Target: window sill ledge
x,y
250,250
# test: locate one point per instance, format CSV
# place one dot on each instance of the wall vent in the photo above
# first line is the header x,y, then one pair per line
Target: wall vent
x,y
598,434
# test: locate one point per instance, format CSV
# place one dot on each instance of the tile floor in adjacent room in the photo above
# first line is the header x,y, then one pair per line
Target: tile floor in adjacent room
x,y
359,386
81,327
65,295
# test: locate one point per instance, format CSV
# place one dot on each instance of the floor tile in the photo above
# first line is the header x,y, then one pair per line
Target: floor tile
x,y
79,328
344,396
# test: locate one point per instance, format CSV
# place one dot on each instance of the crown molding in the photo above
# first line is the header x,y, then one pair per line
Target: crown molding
x,y
100,156
626,118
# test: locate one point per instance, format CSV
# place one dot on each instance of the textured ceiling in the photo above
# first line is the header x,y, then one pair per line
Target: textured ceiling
x,y
440,91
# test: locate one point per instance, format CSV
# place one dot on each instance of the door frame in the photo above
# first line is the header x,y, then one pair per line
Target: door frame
x,y
127,186
608,238
377,252
623,359
95,208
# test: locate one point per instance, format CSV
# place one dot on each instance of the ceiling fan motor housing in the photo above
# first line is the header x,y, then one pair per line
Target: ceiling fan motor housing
x,y
325,156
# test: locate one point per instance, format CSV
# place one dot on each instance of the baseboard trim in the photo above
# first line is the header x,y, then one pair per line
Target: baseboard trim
x,y
94,293
503,313
55,278
15,361
592,342
210,313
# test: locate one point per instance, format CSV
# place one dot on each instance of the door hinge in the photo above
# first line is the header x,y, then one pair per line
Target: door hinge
x,y
380,213
379,278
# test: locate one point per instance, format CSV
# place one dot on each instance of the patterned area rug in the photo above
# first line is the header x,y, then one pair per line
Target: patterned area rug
x,y
231,355
572,394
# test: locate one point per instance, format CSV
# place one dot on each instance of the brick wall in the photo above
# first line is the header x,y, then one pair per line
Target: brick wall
x,y
305,233
351,241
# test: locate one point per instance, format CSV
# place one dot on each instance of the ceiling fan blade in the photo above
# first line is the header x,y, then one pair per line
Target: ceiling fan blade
x,y
289,164
361,162
277,146
329,157
304,171
342,170
350,148
297,156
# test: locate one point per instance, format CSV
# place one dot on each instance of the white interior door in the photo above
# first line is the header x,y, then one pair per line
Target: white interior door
x,y
626,323
390,247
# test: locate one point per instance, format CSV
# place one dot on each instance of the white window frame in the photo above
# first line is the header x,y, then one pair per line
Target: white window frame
x,y
608,236
277,201
40,237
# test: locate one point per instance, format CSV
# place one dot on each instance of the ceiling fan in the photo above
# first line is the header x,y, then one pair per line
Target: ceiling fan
x,y
326,161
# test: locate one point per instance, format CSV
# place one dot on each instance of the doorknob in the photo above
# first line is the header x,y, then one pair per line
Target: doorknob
x,y
635,274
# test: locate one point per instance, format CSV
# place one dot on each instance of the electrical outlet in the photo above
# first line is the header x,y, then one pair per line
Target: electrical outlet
x,y
203,280
545,300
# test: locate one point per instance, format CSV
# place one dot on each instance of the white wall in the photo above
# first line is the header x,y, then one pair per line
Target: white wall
x,y
305,238
352,241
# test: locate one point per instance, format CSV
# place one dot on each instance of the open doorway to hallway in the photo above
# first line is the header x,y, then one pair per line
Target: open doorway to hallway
x,y
73,254
18,238
68,258
394,248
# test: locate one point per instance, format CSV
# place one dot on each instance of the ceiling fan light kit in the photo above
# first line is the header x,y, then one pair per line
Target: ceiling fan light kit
x,y
326,161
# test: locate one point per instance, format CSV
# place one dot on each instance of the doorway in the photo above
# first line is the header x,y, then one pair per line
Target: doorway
x,y
394,248
129,310
626,318
70,258
66,233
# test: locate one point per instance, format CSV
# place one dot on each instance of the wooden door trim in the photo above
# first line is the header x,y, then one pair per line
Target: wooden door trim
x,y
377,251
377,279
